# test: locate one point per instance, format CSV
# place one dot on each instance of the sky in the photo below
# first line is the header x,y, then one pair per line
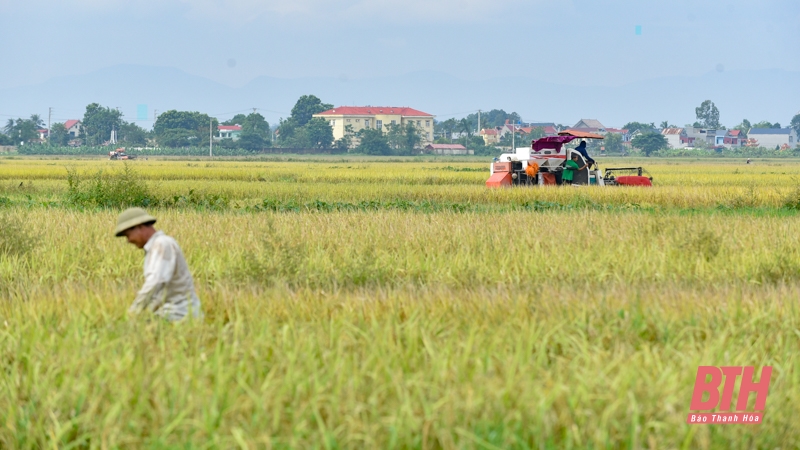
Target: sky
x,y
569,42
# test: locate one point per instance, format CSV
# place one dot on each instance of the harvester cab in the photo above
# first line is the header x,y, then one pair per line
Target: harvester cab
x,y
543,163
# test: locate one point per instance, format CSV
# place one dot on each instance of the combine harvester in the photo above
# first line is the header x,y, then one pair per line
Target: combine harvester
x,y
543,163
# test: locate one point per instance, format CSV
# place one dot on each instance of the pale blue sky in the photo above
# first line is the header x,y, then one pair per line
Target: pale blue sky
x,y
688,51
473,39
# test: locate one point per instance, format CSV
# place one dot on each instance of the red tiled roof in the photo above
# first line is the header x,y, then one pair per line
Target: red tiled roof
x,y
372,110
229,128
734,132
446,146
489,131
671,131
617,130
70,123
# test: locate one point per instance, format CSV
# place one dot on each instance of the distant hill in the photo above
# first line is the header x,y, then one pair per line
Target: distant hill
x,y
757,95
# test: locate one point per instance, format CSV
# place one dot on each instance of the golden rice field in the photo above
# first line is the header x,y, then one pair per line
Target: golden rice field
x,y
427,312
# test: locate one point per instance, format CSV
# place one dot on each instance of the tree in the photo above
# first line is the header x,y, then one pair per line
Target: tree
x,y
613,143
98,122
346,141
403,138
184,128
319,133
373,142
58,135
466,127
235,120
307,106
633,127
795,123
493,118
649,142
447,127
707,114
22,130
132,134
255,131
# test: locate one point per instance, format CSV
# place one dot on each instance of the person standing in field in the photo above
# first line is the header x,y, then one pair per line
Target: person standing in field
x,y
570,168
168,289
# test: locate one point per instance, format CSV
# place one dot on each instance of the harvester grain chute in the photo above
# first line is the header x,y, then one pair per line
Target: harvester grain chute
x,y
543,164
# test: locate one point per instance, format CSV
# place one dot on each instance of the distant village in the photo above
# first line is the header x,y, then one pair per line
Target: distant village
x,y
348,125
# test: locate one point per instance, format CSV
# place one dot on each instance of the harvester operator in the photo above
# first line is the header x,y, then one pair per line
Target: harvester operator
x,y
168,289
570,168
581,148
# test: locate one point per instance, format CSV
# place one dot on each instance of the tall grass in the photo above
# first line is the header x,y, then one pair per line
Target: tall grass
x,y
397,326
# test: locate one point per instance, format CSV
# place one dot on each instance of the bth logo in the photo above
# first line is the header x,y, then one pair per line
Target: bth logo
x,y
702,385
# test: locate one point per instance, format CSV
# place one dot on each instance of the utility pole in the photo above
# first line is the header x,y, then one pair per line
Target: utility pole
x,y
210,137
479,122
49,115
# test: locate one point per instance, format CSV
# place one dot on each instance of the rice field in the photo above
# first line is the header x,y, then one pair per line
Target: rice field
x,y
371,303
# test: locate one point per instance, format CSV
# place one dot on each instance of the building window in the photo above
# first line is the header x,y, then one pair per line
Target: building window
x,y
359,120
366,122
348,120
429,136
394,122
333,122
427,123
419,122
379,124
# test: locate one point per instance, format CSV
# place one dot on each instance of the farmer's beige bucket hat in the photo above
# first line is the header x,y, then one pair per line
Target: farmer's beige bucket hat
x,y
130,218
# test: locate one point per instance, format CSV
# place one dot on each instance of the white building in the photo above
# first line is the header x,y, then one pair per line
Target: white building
x,y
774,137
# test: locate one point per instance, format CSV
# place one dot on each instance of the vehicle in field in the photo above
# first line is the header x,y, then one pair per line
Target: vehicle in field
x,y
543,164
120,154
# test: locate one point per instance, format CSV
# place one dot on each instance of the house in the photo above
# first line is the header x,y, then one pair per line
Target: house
x,y
623,132
43,133
673,136
490,136
774,137
692,137
229,132
448,149
589,123
74,128
377,117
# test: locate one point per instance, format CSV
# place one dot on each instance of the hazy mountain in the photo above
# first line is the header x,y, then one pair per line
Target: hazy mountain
x,y
772,95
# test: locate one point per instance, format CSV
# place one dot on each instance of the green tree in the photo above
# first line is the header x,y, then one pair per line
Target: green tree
x,y
744,126
493,118
403,139
649,142
307,106
795,123
235,120
255,131
132,134
184,128
319,133
633,127
58,135
447,128
346,141
373,142
613,143
22,130
98,122
708,114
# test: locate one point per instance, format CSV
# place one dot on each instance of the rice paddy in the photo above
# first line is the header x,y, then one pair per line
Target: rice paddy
x,y
371,303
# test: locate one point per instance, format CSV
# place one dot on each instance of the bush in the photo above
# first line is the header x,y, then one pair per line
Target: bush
x,y
103,190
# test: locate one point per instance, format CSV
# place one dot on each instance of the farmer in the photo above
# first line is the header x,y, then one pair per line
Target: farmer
x,y
168,289
581,148
570,168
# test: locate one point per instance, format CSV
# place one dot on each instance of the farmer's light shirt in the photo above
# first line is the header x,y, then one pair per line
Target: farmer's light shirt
x,y
168,289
